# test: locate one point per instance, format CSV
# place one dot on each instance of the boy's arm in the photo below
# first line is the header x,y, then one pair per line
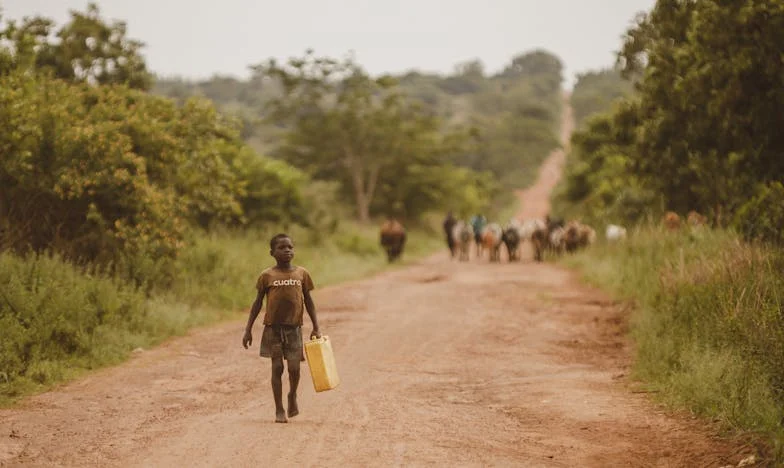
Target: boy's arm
x,y
247,338
311,308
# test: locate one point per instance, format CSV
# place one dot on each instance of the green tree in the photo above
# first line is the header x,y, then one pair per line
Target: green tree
x,y
118,176
705,124
86,49
596,92
599,185
710,94
346,126
542,67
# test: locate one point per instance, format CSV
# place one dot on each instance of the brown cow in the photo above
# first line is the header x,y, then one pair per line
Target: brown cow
x,y
578,236
492,236
695,219
547,236
571,237
672,221
393,238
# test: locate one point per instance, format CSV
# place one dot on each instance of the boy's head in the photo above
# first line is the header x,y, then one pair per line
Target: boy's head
x,y
282,248
276,238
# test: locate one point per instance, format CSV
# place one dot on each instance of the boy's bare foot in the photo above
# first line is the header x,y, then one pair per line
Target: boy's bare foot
x,y
293,408
280,416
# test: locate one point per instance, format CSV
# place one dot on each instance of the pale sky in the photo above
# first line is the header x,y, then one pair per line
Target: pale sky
x,y
200,38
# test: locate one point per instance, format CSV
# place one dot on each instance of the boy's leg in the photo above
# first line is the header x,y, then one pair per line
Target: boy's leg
x,y
294,373
277,388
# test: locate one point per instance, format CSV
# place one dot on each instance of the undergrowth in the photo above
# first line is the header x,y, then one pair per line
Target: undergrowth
x,y
708,323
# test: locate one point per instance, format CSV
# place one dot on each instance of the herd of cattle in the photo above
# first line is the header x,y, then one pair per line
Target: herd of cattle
x,y
545,235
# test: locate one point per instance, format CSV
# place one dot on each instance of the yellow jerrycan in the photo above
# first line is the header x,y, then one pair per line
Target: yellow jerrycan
x,y
321,362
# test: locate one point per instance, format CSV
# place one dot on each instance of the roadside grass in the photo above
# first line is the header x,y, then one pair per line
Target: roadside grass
x,y
708,323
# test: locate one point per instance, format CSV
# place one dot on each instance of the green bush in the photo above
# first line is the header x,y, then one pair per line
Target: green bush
x,y
114,176
762,217
53,313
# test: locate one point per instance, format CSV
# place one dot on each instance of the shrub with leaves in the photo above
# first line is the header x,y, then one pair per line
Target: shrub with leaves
x,y
762,217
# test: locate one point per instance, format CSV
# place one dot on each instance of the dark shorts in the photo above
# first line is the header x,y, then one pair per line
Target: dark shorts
x,y
282,341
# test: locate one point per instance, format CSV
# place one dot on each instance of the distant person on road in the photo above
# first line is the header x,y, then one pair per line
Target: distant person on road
x,y
287,288
478,223
449,225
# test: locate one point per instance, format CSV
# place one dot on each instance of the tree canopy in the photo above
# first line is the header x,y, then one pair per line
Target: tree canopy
x,y
102,172
388,153
86,49
705,125
596,92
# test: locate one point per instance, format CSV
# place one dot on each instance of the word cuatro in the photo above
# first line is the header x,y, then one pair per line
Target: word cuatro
x,y
287,282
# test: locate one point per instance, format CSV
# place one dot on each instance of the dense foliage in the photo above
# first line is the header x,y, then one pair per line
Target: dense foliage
x,y
596,92
388,154
704,130
86,49
101,172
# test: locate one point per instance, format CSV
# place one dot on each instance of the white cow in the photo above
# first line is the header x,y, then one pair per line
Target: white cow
x,y
615,233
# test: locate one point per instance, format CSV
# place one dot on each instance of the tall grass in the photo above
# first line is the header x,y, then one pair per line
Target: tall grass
x,y
709,322
58,320
53,313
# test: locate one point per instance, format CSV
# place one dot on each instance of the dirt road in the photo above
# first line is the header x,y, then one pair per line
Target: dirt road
x,y
442,363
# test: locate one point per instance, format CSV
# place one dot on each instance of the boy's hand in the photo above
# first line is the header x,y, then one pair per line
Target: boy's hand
x,y
316,333
247,339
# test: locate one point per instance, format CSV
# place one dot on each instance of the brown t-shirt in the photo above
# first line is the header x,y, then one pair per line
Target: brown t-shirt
x,y
284,290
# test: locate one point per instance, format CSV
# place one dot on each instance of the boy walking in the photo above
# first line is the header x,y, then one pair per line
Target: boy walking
x,y
287,288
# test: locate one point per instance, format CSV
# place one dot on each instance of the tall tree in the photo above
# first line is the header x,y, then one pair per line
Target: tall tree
x,y
710,96
86,49
596,92
347,126
544,68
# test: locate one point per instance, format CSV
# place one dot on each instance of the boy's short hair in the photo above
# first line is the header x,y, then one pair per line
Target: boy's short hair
x,y
276,238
